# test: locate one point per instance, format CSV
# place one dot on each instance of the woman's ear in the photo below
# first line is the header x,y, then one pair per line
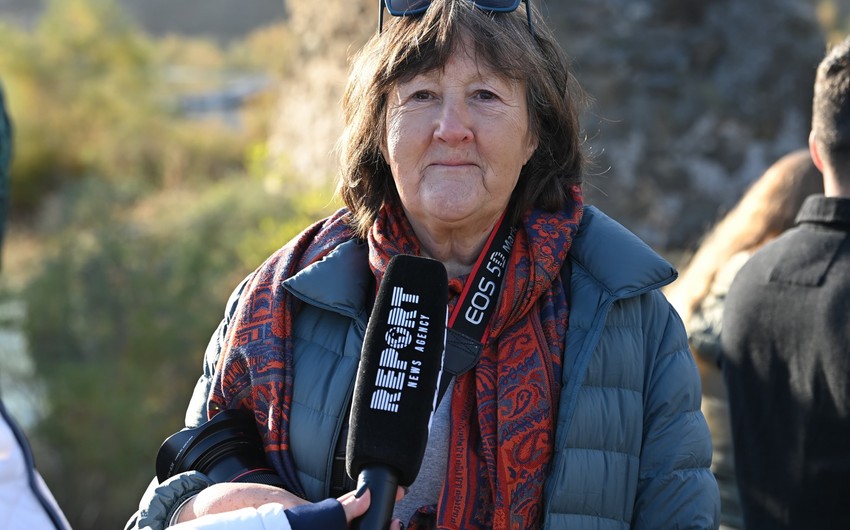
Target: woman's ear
x,y
382,145
383,149
533,142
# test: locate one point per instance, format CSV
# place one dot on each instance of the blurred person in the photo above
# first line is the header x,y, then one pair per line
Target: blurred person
x,y
25,501
583,410
786,341
5,165
767,209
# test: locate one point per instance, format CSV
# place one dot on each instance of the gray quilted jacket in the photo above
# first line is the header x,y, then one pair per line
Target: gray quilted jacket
x,y
632,447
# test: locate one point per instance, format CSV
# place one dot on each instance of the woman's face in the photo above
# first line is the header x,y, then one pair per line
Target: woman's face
x,y
456,141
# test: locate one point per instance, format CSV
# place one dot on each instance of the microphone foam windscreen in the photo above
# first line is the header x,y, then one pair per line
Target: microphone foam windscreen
x,y
399,371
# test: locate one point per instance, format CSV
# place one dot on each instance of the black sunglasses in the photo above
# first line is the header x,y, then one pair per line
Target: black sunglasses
x,y
403,8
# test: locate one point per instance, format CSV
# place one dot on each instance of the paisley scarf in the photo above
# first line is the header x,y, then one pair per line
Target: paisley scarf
x,y
503,411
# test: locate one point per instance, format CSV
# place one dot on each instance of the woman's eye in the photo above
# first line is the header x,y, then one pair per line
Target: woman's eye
x,y
485,95
421,95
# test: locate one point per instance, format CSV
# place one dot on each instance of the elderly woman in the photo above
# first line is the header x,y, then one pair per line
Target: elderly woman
x,y
583,410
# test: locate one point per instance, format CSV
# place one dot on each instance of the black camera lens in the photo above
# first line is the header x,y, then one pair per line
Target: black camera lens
x,y
227,448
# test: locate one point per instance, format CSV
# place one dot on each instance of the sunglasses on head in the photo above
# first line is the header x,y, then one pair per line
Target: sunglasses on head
x,y
404,8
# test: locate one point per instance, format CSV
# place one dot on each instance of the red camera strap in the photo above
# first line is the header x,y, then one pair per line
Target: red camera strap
x,y
477,302
470,319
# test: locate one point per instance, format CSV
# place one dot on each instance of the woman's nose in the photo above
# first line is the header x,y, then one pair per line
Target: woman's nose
x,y
454,125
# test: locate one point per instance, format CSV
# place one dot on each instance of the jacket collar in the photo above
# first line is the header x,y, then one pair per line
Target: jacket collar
x,y
339,282
618,260
825,210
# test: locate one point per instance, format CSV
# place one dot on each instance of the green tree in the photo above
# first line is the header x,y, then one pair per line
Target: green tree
x,y
147,220
89,95
119,316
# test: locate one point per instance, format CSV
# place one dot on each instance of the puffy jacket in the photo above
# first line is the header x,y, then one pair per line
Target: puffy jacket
x,y
25,501
632,447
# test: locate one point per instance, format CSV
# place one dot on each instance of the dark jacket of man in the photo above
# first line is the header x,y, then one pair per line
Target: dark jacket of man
x,y
786,341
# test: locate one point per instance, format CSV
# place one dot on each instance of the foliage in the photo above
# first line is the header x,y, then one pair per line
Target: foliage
x,y
268,48
147,219
88,95
118,317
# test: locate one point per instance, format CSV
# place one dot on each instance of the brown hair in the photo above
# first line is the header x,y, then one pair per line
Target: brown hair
x,y
409,46
767,209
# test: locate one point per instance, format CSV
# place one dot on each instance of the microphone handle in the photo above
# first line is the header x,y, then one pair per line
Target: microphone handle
x,y
383,484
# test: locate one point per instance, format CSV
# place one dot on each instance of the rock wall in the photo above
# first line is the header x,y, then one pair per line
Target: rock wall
x,y
309,120
692,99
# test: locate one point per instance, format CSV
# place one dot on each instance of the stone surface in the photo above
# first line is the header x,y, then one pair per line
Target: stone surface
x,y
693,101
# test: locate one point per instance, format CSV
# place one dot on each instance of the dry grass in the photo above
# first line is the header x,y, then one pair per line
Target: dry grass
x,y
22,251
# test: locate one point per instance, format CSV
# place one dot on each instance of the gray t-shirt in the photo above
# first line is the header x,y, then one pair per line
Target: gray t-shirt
x,y
426,488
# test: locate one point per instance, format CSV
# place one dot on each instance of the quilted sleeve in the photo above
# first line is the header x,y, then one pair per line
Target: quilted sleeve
x,y
160,501
676,489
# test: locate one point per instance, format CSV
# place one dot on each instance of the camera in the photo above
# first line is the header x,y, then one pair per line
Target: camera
x,y
227,448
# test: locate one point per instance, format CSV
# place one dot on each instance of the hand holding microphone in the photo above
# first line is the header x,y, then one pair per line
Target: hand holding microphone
x,y
397,381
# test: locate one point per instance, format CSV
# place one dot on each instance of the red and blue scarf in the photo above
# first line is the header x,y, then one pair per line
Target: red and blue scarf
x,y
503,411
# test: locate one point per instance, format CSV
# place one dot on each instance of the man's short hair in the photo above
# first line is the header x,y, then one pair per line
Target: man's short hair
x,y
831,108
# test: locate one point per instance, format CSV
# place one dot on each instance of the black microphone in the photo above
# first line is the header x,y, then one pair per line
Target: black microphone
x,y
397,380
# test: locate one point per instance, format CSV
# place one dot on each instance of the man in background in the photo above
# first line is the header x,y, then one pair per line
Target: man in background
x,y
786,341
25,501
